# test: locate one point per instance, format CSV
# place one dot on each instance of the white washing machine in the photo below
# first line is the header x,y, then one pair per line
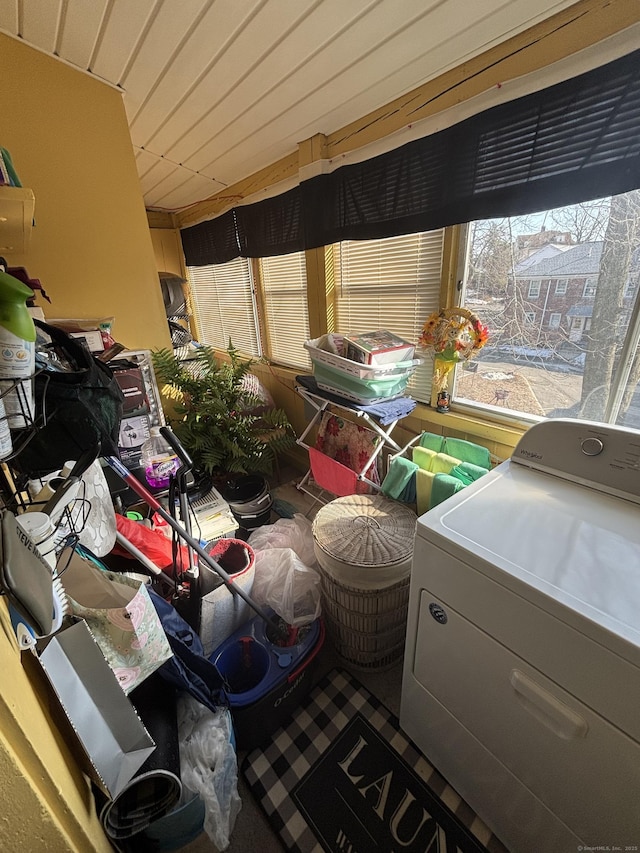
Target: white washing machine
x,y
521,680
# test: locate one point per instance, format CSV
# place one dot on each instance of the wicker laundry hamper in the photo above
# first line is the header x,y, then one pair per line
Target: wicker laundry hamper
x,y
364,546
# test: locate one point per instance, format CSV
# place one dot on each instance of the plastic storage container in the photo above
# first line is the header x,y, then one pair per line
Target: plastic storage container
x,y
159,461
364,391
355,368
361,383
265,681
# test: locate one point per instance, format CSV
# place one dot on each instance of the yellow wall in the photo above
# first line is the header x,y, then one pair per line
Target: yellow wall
x,y
168,250
69,140
91,248
48,804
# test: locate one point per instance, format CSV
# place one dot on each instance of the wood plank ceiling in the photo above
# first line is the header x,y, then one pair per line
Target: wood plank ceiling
x,y
215,90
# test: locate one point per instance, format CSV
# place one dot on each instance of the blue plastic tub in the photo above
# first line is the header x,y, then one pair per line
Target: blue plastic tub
x,y
265,681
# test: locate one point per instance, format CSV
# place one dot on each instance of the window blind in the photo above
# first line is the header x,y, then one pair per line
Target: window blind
x,y
392,284
225,308
571,142
284,283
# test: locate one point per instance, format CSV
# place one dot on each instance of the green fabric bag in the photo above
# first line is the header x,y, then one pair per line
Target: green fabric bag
x,y
13,175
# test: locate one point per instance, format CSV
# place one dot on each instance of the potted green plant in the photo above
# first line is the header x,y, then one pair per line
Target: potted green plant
x,y
227,429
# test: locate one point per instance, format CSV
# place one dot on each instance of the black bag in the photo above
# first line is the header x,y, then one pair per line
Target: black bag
x,y
188,669
75,411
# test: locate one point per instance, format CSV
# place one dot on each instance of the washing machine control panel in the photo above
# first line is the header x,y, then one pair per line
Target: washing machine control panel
x,y
591,445
602,456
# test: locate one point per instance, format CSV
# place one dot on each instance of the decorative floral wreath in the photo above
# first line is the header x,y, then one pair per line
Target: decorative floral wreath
x,y
454,334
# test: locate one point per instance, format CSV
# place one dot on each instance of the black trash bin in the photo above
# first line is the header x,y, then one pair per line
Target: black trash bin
x,y
249,500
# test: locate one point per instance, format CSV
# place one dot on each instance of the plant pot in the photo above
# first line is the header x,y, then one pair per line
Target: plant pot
x,y
249,500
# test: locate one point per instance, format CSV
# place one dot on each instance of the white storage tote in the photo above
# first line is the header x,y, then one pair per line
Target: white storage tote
x,y
362,383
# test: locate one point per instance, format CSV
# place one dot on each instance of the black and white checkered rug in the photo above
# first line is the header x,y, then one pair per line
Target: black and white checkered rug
x,y
341,776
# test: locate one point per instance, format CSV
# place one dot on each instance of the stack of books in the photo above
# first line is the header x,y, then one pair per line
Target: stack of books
x,y
377,348
213,517
210,517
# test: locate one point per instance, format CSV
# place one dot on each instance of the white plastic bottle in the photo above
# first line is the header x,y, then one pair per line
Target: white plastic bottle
x,y
159,460
17,351
6,444
39,528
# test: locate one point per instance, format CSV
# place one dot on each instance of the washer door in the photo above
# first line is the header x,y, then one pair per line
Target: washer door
x,y
586,771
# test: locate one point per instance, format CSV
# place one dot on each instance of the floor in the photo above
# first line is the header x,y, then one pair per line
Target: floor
x,y
252,831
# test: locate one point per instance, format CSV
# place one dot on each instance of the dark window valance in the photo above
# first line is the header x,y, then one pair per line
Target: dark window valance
x,y
211,242
260,230
571,142
273,226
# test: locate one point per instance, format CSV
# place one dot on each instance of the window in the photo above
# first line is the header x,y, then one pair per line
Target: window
x,y
224,303
284,290
561,288
226,307
534,290
587,366
390,284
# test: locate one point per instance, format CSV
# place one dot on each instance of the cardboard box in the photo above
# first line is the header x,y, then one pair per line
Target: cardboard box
x,y
132,385
92,338
133,371
376,348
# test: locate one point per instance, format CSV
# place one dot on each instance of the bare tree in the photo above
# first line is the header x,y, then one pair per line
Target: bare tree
x,y
490,258
586,222
607,328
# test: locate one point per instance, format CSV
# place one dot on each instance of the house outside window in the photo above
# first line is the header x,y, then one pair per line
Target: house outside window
x,y
534,290
564,358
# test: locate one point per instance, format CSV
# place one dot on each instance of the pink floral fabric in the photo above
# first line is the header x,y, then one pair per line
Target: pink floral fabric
x,y
351,445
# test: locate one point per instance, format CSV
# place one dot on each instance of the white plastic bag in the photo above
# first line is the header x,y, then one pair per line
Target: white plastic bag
x,y
208,765
284,583
295,533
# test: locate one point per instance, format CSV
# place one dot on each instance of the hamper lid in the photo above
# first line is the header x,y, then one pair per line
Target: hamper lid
x,y
365,530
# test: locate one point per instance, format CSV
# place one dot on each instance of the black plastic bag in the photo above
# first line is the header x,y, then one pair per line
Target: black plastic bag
x,y
76,410
188,670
